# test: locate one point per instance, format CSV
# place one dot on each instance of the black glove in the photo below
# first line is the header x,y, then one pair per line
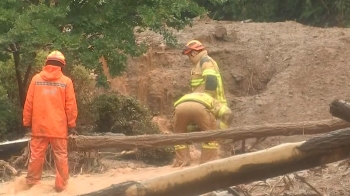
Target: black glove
x,y
72,131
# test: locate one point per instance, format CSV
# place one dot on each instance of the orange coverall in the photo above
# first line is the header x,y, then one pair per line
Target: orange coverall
x,y
50,109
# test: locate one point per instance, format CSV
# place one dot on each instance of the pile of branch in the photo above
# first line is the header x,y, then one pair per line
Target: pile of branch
x,y
85,162
79,162
7,171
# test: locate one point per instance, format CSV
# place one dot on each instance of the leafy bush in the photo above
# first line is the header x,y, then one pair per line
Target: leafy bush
x,y
84,87
119,114
156,156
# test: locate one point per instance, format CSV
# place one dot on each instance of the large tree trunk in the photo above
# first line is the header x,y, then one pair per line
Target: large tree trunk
x,y
236,134
17,58
278,160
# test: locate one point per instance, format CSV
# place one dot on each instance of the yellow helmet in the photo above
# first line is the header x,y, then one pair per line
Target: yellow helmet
x,y
56,56
192,45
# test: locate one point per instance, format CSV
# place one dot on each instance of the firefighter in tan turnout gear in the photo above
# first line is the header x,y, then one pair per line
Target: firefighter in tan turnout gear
x,y
203,110
205,78
205,74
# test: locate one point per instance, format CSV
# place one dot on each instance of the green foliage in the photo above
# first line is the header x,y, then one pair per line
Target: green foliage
x,y
156,156
115,113
118,114
8,80
86,30
84,87
10,118
324,13
10,111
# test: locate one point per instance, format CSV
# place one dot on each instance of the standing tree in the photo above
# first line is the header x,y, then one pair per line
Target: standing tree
x,y
83,30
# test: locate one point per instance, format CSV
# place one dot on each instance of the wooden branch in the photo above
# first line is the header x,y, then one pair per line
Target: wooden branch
x,y
22,158
9,167
26,76
236,134
246,168
16,56
302,179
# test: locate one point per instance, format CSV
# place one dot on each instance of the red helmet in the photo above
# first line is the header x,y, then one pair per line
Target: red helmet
x,y
56,56
192,45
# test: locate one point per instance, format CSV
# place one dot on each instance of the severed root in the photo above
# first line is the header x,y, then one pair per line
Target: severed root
x,y
274,186
258,141
9,167
23,158
302,179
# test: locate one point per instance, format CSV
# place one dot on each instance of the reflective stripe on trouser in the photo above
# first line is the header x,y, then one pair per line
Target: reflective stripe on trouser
x,y
179,147
210,145
38,146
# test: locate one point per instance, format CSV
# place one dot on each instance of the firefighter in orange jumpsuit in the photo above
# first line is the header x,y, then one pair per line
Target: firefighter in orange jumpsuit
x,y
50,114
203,110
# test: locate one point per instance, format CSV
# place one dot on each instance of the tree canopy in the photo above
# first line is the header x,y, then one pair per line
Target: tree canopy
x,y
84,30
321,13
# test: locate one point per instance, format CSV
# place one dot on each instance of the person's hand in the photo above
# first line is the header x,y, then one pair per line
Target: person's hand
x,y
72,131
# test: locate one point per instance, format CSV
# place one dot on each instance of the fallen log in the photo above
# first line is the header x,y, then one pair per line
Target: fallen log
x,y
236,134
246,168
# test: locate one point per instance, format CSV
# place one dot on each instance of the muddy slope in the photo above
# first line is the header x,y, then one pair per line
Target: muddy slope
x,y
273,72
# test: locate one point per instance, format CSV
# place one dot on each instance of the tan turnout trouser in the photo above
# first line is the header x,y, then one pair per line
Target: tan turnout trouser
x,y
185,114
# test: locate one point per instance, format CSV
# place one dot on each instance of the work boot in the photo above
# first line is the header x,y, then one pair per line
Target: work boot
x,y
209,151
208,154
182,158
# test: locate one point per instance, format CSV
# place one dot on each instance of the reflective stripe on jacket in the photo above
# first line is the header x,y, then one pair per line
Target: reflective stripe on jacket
x,y
207,66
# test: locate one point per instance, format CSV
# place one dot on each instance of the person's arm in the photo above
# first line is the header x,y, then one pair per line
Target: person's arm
x,y
28,105
71,105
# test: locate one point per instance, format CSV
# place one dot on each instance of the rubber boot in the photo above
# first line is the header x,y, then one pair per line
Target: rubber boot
x,y
209,152
182,158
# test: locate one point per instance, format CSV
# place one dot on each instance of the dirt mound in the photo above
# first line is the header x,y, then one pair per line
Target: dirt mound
x,y
273,72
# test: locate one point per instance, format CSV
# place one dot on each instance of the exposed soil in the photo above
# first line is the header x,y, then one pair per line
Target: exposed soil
x,y
273,72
